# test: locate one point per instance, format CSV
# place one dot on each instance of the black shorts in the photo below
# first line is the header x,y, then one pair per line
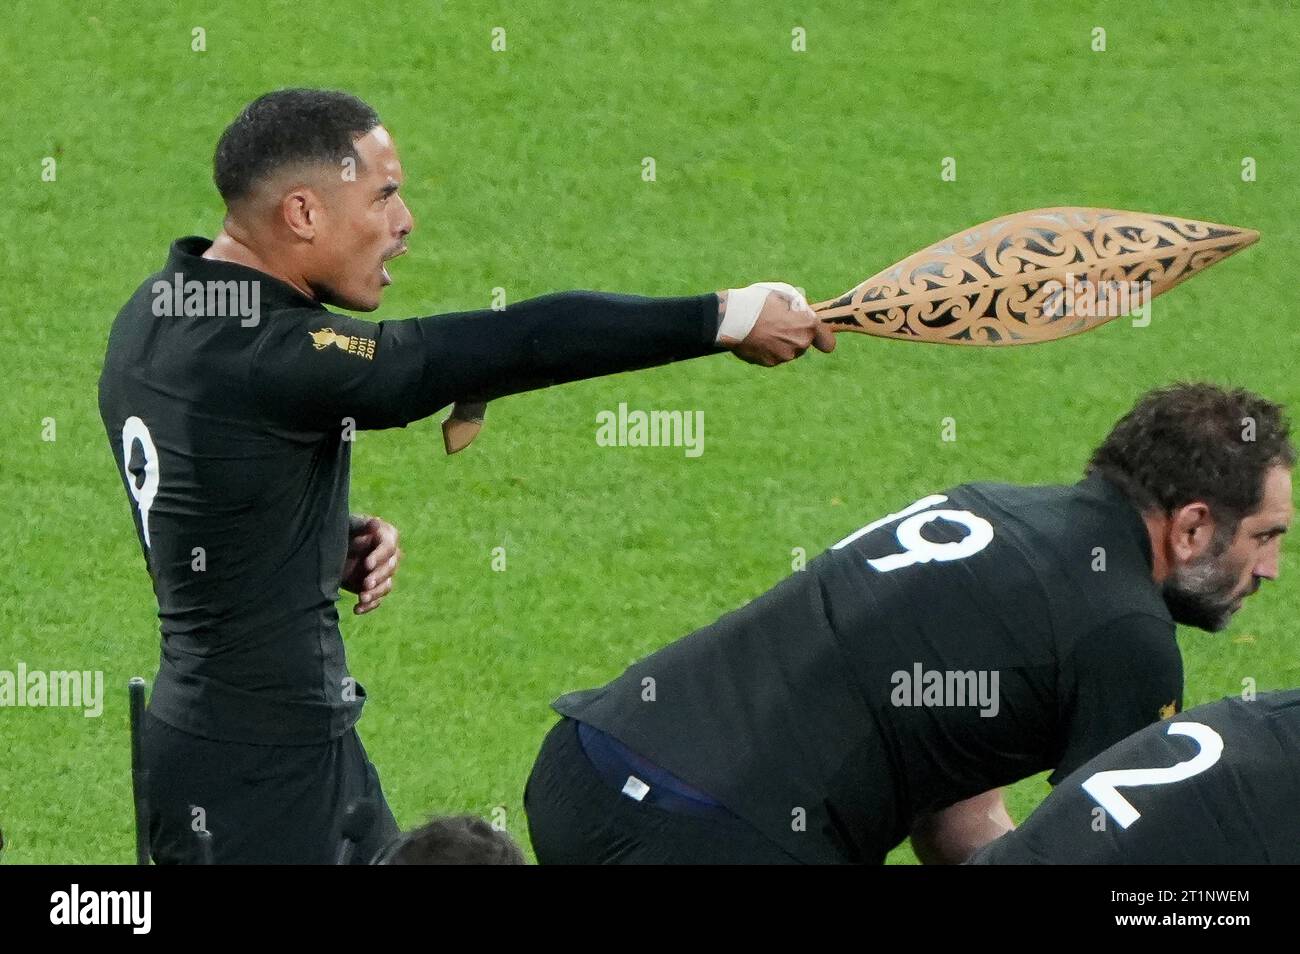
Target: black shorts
x,y
576,817
263,804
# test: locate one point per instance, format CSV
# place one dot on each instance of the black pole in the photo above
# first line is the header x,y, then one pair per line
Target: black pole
x,y
358,819
139,774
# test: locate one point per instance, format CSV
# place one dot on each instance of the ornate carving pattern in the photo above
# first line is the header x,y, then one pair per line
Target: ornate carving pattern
x,y
1004,282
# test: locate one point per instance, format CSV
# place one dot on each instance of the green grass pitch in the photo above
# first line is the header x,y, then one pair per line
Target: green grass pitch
x,y
525,172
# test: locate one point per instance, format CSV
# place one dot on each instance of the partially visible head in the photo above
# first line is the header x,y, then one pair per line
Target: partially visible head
x,y
1210,470
310,181
458,840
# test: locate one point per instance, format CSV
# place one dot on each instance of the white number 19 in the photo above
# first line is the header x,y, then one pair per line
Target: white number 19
x,y
917,549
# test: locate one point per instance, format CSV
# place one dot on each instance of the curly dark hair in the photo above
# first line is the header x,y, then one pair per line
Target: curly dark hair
x,y
1194,441
286,127
455,840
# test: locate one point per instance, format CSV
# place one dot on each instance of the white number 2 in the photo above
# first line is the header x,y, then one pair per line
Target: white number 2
x,y
916,549
134,430
1102,786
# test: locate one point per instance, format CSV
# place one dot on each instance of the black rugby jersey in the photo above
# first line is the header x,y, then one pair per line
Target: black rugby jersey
x,y
1218,785
972,639
232,435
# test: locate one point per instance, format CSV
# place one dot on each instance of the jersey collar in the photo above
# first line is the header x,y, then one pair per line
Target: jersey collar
x,y
186,258
1110,493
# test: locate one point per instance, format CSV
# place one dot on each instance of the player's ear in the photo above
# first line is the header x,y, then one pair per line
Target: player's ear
x,y
1191,531
301,210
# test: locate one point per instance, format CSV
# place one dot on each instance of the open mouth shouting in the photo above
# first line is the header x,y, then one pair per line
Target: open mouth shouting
x,y
384,277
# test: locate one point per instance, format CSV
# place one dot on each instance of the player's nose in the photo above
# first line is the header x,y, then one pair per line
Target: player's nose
x,y
405,222
1270,562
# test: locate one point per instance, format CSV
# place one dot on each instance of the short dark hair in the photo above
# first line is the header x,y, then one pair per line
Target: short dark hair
x,y
286,127
1193,441
458,840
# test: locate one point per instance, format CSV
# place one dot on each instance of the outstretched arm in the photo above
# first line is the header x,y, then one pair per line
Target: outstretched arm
x,y
315,367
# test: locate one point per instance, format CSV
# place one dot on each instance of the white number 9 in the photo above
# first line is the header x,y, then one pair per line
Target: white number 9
x,y
134,430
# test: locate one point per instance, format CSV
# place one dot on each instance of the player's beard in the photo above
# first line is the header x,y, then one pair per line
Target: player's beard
x,y
1203,593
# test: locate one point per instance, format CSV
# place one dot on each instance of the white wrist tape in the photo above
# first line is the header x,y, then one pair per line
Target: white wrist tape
x,y
744,304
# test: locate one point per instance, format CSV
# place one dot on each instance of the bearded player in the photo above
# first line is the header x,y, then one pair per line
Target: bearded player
x,y
976,637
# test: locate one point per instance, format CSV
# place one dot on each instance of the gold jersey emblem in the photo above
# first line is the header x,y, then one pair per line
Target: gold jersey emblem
x,y
350,344
1169,711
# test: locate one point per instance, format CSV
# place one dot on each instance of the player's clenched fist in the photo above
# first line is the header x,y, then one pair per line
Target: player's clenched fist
x,y
770,323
